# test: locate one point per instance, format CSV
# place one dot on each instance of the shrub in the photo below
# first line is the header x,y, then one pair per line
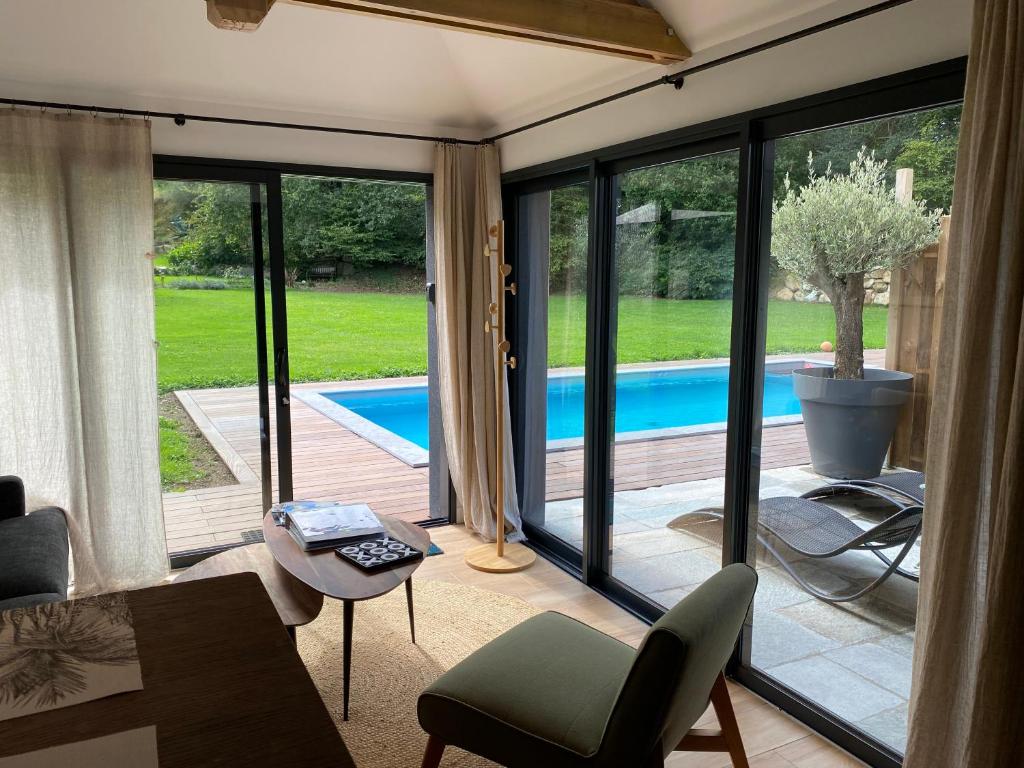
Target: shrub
x,y
184,258
198,285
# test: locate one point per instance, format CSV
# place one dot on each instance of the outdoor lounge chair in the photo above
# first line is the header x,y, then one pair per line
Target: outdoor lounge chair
x,y
816,530
901,489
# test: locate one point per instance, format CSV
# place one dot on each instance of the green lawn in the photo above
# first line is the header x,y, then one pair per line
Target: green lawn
x,y
206,337
177,464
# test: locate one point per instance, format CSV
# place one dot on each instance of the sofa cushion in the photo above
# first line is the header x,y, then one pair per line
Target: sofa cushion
x,y
30,600
34,555
540,694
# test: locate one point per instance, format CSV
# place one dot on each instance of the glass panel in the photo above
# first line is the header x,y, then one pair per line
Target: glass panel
x,y
553,238
355,256
843,247
210,449
675,241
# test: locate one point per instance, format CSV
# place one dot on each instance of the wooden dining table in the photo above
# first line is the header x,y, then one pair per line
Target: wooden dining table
x,y
222,683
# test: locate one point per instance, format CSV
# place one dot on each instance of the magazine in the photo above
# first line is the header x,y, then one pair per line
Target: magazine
x,y
62,654
322,524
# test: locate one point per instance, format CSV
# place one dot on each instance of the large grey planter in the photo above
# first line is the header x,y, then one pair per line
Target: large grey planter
x,y
850,423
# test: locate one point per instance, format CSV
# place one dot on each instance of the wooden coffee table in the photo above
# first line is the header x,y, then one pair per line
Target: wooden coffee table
x,y
329,575
296,603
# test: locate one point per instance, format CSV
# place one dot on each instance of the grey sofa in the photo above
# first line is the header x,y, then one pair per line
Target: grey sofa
x,y
33,550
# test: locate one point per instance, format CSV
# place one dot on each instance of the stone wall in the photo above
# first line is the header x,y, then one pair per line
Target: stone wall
x,y
876,289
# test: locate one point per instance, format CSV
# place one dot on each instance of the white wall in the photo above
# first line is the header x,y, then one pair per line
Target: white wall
x,y
288,146
912,35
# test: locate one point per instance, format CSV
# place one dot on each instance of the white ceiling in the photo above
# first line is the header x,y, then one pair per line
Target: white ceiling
x,y
163,54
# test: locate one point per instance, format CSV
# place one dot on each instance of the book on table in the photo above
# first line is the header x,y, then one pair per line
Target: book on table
x,y
325,524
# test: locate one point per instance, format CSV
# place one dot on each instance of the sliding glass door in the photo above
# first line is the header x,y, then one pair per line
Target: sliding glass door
x,y
711,299
553,237
852,657
216,452
296,359
674,249
356,272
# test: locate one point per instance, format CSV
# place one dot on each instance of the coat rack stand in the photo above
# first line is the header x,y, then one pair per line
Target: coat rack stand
x,y
502,556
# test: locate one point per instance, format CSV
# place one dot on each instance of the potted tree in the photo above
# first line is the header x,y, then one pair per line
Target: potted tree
x,y
829,233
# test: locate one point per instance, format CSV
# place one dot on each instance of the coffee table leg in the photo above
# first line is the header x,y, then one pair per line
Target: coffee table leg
x,y
408,599
291,634
348,606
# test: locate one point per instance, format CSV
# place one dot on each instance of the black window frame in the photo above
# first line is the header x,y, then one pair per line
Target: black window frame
x,y
753,133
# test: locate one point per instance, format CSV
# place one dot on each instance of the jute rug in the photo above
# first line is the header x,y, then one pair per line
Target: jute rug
x,y
388,671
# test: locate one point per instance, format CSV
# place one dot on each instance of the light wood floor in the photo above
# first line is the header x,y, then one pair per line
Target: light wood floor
x,y
772,738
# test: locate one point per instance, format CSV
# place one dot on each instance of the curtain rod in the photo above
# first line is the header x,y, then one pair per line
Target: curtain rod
x,y
180,118
677,78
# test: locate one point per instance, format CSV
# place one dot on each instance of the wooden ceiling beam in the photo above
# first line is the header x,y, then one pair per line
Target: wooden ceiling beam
x,y
614,27
237,15
604,26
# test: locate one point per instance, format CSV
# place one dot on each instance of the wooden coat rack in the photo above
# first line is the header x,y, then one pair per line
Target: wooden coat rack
x,y
501,557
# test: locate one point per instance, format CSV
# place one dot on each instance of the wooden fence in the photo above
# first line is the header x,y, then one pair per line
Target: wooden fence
x,y
915,307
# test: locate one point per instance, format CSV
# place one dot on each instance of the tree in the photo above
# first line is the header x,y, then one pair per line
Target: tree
x,y
687,248
932,155
835,228
925,141
567,242
365,224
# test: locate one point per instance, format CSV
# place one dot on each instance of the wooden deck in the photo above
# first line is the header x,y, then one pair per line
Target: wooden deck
x,y
329,461
665,461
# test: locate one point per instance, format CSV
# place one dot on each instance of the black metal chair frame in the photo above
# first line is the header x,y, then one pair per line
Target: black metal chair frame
x,y
882,487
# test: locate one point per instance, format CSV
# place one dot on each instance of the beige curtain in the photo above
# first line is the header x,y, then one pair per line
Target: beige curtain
x,y
967,703
78,409
467,199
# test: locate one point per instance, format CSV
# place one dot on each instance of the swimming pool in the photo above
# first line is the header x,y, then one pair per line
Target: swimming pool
x,y
649,403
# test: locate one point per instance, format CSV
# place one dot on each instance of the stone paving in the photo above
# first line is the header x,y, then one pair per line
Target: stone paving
x,y
854,658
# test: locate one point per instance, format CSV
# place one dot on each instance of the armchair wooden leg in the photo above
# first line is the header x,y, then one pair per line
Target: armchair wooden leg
x,y
433,753
727,720
725,740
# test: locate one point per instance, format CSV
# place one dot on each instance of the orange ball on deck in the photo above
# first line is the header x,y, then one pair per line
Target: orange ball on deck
x,y
826,346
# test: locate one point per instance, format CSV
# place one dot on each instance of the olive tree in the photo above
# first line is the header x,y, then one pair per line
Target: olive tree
x,y
836,228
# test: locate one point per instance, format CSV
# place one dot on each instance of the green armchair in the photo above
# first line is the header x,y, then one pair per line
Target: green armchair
x,y
555,692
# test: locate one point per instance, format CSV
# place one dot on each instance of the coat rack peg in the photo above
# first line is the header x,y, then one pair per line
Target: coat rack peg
x,y
500,557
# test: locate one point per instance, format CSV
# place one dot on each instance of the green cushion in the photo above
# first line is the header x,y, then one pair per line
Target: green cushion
x,y
669,685
541,694
554,692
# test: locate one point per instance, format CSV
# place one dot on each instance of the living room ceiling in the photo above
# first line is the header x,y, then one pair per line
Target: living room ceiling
x,y
164,54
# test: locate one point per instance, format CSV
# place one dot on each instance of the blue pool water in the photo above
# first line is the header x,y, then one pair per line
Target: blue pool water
x,y
644,400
